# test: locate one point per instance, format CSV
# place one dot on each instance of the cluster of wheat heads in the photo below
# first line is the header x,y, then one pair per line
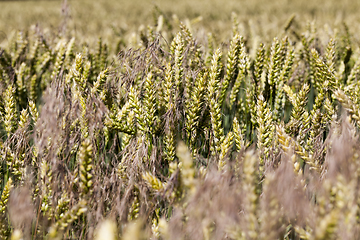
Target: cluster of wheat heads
x,y
181,141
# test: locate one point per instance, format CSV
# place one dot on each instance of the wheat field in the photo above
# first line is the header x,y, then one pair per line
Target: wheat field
x,y
168,120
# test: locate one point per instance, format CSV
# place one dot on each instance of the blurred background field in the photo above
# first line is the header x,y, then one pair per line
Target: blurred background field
x,y
111,19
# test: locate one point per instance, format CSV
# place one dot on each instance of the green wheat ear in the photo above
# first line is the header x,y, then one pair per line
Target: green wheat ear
x,y
153,182
136,105
135,205
355,71
231,66
194,105
226,147
210,46
33,52
69,53
287,144
298,113
33,111
276,56
60,48
241,71
259,64
10,118
46,176
285,73
322,72
178,60
348,105
150,106
215,108
68,218
5,195
168,102
265,131
21,74
331,56
100,81
62,206
238,136
24,119
21,44
33,87
86,168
